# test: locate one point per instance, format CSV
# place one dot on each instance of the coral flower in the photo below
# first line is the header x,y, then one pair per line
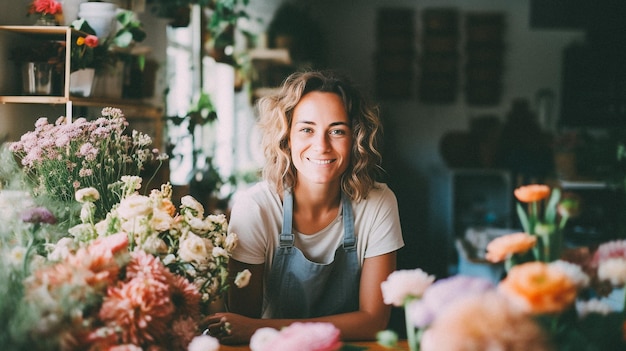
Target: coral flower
x,y
532,193
484,322
502,247
539,288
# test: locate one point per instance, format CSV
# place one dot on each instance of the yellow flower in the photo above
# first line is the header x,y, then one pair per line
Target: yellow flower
x,y
532,193
539,287
502,247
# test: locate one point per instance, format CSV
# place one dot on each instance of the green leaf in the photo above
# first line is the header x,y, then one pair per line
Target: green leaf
x,y
555,196
523,218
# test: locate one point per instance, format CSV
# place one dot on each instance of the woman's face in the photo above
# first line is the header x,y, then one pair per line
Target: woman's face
x,y
320,138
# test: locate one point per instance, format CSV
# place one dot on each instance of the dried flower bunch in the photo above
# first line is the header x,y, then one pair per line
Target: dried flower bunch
x,y
63,157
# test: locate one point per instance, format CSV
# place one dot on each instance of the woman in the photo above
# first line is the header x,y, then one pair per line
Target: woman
x,y
319,234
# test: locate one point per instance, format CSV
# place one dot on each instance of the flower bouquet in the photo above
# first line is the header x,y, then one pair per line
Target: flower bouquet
x,y
63,157
139,279
188,243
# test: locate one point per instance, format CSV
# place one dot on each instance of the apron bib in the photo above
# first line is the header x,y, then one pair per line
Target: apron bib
x,y
300,288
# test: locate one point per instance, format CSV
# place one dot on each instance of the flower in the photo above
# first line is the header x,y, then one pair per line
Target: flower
x,y
45,8
532,193
548,213
539,288
62,158
403,285
504,246
442,293
243,278
486,321
204,343
304,336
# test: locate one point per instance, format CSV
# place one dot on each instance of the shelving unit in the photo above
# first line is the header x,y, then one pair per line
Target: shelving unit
x,y
69,35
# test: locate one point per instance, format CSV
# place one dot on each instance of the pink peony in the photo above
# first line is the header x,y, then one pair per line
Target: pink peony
x,y
304,336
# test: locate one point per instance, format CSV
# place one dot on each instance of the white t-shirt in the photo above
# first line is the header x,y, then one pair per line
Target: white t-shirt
x,y
257,218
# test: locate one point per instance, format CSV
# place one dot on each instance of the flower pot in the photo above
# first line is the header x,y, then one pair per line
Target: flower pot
x,y
81,82
37,78
70,10
100,16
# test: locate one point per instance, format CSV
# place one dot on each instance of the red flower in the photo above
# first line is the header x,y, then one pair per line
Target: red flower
x,y
91,41
46,7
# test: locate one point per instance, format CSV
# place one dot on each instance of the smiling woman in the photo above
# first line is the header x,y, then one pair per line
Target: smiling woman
x,y
320,233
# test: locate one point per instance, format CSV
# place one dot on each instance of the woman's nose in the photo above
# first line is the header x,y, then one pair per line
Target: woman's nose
x,y
321,142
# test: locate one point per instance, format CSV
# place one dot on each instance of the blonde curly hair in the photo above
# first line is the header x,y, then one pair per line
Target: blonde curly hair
x,y
276,116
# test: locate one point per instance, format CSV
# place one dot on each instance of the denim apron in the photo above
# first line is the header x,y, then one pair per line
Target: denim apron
x,y
299,288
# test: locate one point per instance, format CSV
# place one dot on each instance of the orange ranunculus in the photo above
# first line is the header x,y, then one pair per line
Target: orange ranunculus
x,y
501,247
539,287
532,193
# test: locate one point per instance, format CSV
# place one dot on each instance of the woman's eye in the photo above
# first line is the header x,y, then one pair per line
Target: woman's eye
x,y
338,132
306,130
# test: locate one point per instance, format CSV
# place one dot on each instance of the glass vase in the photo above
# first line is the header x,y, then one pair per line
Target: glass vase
x,y
46,20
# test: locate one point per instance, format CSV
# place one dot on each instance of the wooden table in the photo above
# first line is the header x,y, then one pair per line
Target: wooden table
x,y
369,345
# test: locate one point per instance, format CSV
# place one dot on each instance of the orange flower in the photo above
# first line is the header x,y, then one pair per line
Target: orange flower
x,y
532,192
539,288
501,247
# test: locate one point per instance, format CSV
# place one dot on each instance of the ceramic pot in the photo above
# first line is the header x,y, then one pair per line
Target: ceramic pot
x,y
70,10
81,82
100,16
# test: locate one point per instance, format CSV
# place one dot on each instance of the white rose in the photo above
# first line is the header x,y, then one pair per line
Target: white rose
x,y
154,245
188,202
219,219
194,248
161,220
198,226
138,226
243,278
219,252
231,242
133,206
87,195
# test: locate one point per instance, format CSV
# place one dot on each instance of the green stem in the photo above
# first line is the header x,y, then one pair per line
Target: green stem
x,y
410,331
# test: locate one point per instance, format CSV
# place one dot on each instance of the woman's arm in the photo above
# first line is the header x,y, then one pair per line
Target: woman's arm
x,y
246,303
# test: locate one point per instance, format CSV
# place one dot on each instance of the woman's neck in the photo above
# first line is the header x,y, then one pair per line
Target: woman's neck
x,y
315,207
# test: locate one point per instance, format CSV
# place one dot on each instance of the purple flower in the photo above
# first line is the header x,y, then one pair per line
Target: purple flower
x,y
443,292
38,215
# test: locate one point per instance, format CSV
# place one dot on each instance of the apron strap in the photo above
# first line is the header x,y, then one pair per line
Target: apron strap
x,y
286,235
349,239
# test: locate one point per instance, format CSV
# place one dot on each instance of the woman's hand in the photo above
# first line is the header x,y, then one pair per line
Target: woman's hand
x,y
230,328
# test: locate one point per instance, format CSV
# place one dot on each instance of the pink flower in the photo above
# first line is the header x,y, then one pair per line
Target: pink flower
x,y
441,294
404,284
141,306
484,322
308,336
